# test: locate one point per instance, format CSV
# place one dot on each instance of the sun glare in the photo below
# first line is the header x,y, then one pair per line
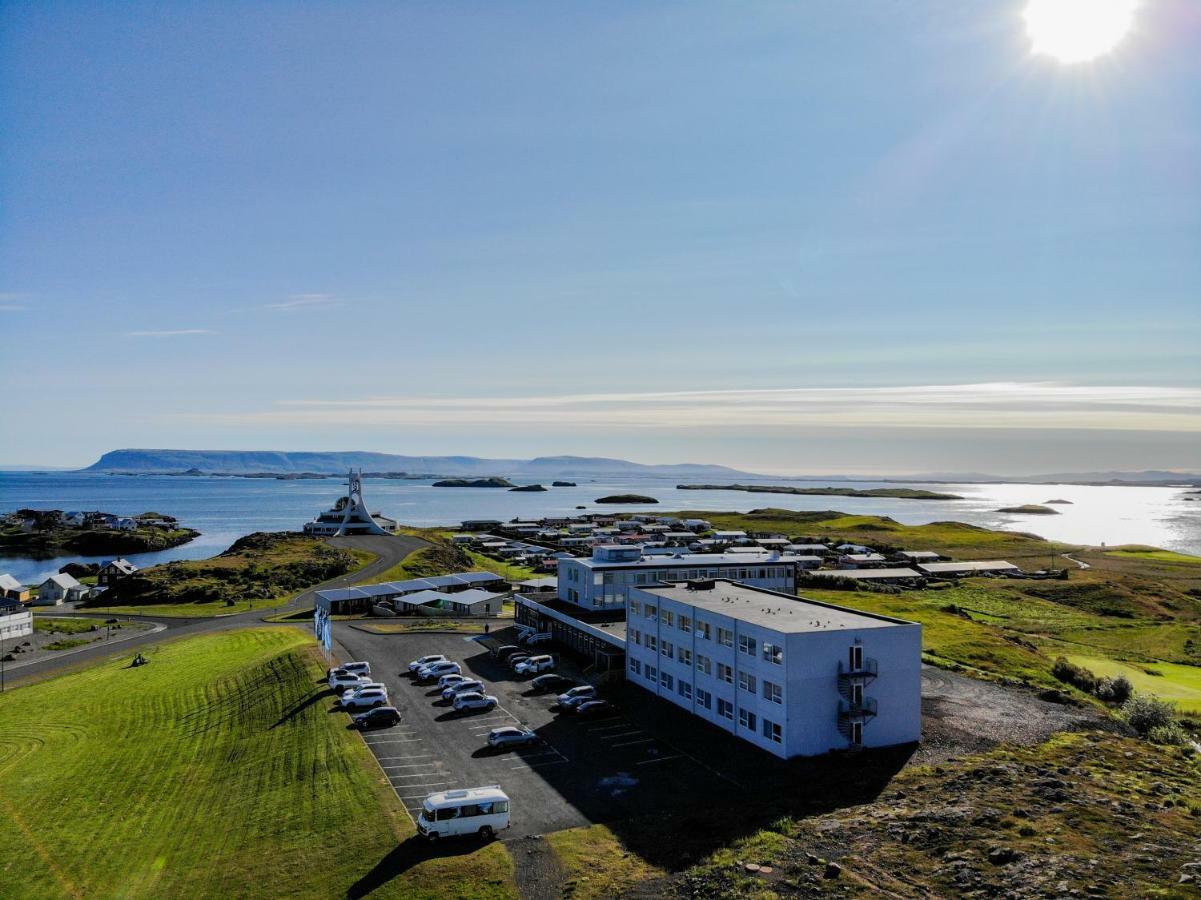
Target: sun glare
x,y
1074,31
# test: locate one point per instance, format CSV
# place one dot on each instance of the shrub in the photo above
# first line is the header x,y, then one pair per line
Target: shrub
x,y
1075,675
1115,690
1168,734
1145,713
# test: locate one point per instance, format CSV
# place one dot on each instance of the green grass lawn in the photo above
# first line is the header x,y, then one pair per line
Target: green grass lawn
x,y
1154,553
190,610
597,864
1180,684
51,625
215,771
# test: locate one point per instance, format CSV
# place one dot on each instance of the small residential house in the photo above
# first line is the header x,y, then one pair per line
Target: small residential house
x,y
11,589
115,570
860,561
125,523
58,588
76,519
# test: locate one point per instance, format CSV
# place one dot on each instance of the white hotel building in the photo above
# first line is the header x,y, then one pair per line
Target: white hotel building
x,y
795,677
605,580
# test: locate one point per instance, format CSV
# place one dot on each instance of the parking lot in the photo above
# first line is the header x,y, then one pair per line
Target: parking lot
x,y
582,771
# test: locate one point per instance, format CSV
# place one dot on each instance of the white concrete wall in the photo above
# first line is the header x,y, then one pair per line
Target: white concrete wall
x,y
16,625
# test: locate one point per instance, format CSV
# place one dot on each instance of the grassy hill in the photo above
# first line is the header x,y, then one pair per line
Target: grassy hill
x,y
215,771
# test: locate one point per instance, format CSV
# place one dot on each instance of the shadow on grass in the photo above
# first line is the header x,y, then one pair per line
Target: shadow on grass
x,y
405,856
301,706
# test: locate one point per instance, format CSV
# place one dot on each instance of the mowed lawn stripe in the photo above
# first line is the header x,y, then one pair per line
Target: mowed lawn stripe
x,y
217,770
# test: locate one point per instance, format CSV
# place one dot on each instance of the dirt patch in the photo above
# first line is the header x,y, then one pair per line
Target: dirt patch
x,y
539,873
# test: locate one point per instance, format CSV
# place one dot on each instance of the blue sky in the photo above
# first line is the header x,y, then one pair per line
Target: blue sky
x,y
788,237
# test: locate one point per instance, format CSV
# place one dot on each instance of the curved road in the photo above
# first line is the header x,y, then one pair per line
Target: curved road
x,y
390,550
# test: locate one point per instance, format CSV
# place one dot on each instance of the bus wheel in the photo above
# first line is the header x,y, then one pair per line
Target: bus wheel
x,y
486,832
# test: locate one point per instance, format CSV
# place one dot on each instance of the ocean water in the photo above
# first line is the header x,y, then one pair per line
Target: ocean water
x,y
224,509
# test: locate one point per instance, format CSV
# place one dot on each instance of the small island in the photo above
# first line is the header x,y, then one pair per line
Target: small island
x,y
1029,509
562,484
1060,502
896,493
528,488
626,498
494,482
46,533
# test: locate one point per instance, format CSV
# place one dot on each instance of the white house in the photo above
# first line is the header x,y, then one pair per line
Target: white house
x,y
124,523
11,589
57,588
605,579
16,621
966,568
794,677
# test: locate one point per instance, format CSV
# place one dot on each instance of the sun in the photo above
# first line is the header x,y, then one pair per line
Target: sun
x,y
1075,31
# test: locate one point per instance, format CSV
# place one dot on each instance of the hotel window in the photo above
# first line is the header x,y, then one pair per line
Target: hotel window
x,y
665,679
772,731
746,681
685,656
668,617
746,719
725,708
703,664
651,611
651,673
667,650
652,642
725,637
702,630
746,644
635,607
635,666
773,692
704,698
742,574
725,673
685,624
773,653
636,637
685,689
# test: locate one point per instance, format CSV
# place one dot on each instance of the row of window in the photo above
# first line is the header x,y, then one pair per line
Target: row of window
x,y
746,680
733,573
772,653
725,708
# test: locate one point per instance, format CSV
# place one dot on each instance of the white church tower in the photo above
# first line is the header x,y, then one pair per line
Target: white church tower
x,y
349,515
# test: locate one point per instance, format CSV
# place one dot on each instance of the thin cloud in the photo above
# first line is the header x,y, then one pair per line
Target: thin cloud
x,y
12,307
301,302
1040,405
180,332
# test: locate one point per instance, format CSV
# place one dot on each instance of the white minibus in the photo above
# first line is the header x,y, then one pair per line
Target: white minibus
x,y
482,810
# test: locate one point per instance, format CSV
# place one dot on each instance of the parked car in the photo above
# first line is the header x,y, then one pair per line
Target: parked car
x,y
535,664
438,669
552,681
380,717
357,668
593,708
512,736
426,661
365,699
473,700
339,683
447,680
465,686
517,658
363,685
504,651
576,695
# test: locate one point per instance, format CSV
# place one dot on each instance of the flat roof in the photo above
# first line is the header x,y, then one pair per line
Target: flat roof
x,y
689,560
979,565
864,574
771,609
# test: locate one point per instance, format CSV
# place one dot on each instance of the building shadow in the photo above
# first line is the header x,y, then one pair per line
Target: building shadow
x,y
404,856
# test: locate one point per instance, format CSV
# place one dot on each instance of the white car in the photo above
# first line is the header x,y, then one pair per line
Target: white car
x,y
474,700
339,683
354,668
535,664
577,695
467,685
364,686
426,661
512,736
368,698
438,669
453,678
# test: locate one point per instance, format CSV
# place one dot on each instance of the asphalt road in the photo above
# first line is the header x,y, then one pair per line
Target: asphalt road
x,y
391,550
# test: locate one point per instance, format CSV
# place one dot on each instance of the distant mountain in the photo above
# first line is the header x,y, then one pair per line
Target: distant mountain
x,y
247,462
1145,477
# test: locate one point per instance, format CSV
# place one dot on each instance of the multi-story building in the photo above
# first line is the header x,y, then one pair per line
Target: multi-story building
x,y
793,676
604,580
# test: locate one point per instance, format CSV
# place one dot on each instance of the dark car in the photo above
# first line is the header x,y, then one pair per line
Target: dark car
x,y
380,717
593,708
551,681
505,651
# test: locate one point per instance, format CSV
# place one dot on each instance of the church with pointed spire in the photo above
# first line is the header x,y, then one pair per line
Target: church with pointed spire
x,y
349,515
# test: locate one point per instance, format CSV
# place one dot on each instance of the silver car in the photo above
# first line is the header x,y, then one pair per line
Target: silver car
x,y
512,736
459,687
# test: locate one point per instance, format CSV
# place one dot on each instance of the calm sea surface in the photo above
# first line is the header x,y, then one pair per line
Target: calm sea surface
x,y
224,509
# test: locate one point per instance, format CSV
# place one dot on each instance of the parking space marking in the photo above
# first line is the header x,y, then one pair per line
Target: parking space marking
x,y
632,743
410,756
610,727
647,762
609,719
553,762
394,741
418,775
621,734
